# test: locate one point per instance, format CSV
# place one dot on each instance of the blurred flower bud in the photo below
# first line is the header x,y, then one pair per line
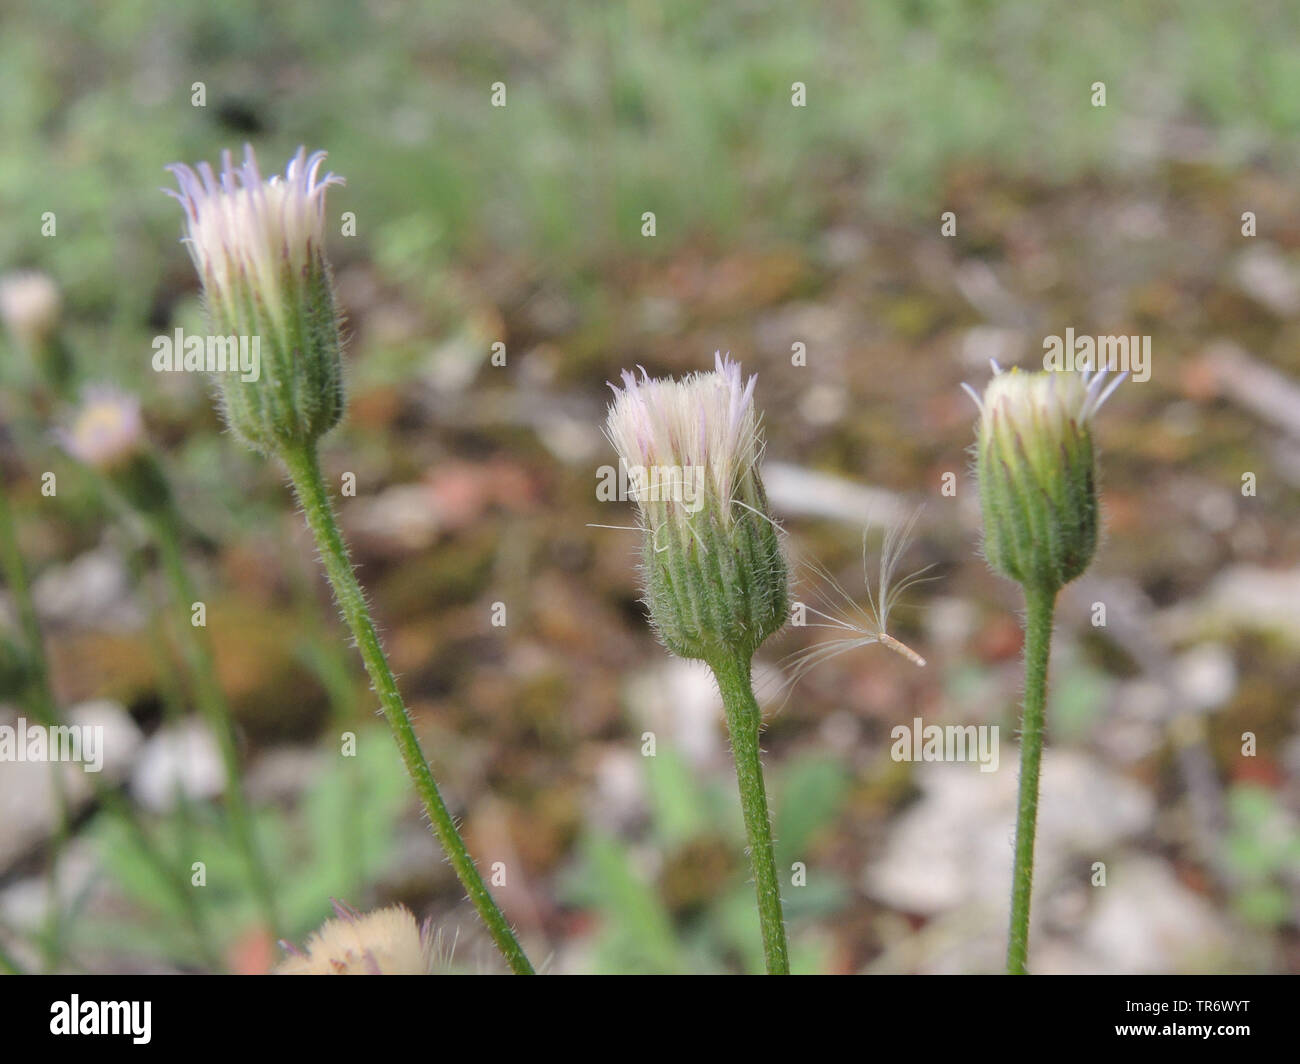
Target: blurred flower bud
x,y
716,580
107,434
259,250
106,431
1036,465
384,942
31,306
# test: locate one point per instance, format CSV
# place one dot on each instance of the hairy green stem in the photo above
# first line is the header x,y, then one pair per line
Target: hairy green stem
x,y
304,470
216,710
744,721
1040,605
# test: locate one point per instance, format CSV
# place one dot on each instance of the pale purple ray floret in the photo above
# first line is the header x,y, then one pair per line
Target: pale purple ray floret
x,y
703,425
239,225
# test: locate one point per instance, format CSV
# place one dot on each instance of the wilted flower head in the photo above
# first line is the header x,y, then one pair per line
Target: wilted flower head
x,y
106,430
30,305
715,574
1036,466
258,246
384,942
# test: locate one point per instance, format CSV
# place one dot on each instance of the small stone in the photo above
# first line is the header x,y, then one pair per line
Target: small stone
x,y
184,758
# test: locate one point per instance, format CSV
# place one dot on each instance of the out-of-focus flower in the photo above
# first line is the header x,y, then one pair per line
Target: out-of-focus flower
x,y
716,580
106,431
384,942
258,246
1036,466
107,434
30,305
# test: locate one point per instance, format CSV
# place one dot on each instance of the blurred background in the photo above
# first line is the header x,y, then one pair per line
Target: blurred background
x,y
775,225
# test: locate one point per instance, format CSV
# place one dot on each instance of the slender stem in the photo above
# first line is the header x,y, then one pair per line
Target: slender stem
x,y
171,692
45,707
8,966
170,866
31,433
333,673
1038,639
212,703
40,700
304,470
744,719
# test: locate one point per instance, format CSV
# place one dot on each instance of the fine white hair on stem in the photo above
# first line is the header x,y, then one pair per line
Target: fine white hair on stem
x,y
840,612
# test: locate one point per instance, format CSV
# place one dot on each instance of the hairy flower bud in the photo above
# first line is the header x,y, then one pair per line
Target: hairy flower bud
x,y
1036,465
258,247
715,576
383,942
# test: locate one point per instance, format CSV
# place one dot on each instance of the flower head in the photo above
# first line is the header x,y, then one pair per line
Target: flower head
x,y
384,942
243,230
258,246
682,441
1036,466
715,574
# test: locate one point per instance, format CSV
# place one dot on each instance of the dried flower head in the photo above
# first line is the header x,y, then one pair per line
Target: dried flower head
x,y
258,246
384,942
716,578
1036,467
30,304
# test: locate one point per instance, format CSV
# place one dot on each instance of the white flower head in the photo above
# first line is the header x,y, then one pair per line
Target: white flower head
x,y
1054,396
30,305
243,228
715,576
683,439
1036,467
259,250
106,431
384,942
